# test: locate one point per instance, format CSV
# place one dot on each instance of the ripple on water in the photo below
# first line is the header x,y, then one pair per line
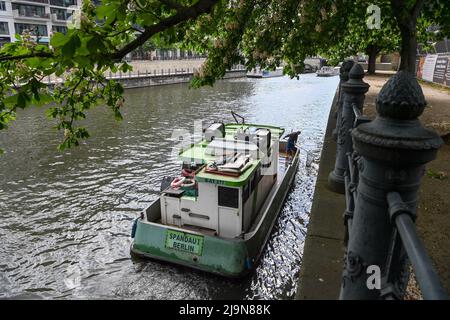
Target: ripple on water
x,y
66,218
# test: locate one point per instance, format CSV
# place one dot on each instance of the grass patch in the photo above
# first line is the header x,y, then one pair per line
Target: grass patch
x,y
434,85
440,175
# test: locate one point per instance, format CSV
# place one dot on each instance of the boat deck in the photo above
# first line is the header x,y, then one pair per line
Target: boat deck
x,y
283,163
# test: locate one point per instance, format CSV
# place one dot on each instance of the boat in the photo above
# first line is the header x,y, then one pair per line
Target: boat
x,y
327,71
238,176
309,68
265,73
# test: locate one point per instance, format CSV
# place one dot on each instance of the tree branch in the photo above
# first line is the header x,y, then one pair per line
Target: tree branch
x,y
185,14
29,55
172,4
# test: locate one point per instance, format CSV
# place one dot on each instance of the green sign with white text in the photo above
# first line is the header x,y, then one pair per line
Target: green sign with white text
x,y
183,241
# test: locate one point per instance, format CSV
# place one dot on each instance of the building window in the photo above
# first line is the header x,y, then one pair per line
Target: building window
x,y
61,29
2,6
35,29
228,197
61,14
27,10
63,3
4,28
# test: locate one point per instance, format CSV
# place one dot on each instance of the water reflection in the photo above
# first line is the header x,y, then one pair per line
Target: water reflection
x,y
66,217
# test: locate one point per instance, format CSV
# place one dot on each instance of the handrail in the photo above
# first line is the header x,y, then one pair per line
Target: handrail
x,y
359,117
380,226
429,282
403,219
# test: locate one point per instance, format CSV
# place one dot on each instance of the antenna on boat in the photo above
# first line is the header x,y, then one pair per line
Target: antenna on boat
x,y
234,114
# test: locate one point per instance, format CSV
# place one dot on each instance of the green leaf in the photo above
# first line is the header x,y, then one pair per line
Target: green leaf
x,y
10,101
22,99
68,50
95,44
44,99
83,61
118,115
108,12
59,39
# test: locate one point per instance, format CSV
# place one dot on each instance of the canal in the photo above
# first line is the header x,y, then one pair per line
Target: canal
x,y
66,217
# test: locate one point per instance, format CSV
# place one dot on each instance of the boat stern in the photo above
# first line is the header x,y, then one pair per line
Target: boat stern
x,y
226,257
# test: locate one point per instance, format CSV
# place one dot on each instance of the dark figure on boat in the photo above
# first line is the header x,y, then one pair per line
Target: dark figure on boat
x,y
292,140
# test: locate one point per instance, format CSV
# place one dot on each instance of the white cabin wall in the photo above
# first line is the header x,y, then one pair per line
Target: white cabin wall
x,y
163,210
206,204
170,206
229,222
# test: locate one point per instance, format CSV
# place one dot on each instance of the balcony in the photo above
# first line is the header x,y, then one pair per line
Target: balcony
x,y
30,15
35,1
63,3
60,18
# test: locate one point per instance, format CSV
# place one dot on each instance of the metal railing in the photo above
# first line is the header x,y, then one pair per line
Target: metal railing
x,y
146,74
373,182
403,219
29,14
36,1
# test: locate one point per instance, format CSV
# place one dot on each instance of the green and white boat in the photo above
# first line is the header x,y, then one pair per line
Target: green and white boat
x,y
218,215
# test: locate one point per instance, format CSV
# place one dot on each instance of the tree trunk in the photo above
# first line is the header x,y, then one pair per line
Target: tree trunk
x,y
408,50
406,21
372,51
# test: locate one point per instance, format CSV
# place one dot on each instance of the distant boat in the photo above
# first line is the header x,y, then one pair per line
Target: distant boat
x,y
309,68
327,71
265,73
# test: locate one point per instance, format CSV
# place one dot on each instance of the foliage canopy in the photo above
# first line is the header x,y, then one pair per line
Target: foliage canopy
x,y
249,32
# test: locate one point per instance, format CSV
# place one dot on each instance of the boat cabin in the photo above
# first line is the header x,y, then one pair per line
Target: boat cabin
x,y
231,172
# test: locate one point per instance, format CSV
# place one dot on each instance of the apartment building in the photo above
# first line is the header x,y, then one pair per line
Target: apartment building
x,y
40,17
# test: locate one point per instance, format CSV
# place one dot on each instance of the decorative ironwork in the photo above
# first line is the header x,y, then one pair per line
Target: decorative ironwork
x,y
382,179
353,97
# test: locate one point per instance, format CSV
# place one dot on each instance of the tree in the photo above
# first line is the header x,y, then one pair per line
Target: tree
x,y
371,40
250,32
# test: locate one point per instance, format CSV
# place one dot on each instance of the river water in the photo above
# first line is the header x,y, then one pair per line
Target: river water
x,y
65,218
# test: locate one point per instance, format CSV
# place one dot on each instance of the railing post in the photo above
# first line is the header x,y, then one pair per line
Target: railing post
x,y
353,95
394,149
343,76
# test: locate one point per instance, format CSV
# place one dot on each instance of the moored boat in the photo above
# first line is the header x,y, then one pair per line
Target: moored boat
x,y
265,73
327,71
218,214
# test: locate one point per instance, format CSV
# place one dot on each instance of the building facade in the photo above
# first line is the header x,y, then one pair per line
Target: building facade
x,y
40,17
44,17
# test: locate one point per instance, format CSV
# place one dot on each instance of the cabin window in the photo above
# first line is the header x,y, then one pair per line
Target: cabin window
x,y
228,197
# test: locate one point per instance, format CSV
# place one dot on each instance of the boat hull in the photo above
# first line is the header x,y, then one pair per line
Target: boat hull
x,y
265,73
223,256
